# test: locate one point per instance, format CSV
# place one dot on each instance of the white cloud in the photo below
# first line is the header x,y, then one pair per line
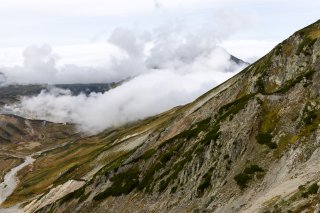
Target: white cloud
x,y
128,54
143,96
89,54
40,66
249,50
167,68
128,41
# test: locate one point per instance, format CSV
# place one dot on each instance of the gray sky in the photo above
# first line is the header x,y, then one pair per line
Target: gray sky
x,y
257,24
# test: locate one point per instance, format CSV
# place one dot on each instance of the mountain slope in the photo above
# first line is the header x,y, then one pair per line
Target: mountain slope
x,y
252,144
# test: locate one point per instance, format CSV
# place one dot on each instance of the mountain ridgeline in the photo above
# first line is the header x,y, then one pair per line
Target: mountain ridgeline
x,y
252,144
11,93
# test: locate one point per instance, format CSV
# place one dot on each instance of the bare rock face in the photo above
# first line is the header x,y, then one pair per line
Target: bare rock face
x,y
252,144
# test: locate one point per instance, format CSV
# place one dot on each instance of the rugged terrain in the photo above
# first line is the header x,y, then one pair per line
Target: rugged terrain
x,y
21,137
252,144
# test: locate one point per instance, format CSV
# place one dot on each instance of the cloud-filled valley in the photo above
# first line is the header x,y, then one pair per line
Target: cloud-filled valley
x,y
159,71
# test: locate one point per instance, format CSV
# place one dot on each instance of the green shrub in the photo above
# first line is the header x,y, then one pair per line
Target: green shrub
x,y
205,182
213,134
166,157
233,107
67,175
122,183
253,169
260,85
172,150
301,188
148,154
173,190
313,189
266,139
175,170
73,195
291,83
195,130
163,185
311,116
306,43
148,176
242,179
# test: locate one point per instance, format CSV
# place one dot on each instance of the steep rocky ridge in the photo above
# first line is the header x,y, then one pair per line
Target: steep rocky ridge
x,y
252,144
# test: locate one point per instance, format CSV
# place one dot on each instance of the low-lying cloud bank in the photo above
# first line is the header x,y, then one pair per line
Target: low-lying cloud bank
x,y
142,96
164,70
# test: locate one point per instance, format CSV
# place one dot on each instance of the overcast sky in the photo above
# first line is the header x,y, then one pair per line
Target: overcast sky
x,y
180,46
255,25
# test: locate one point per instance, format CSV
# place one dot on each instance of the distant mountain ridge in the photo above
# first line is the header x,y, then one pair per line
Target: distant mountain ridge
x,y
11,93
